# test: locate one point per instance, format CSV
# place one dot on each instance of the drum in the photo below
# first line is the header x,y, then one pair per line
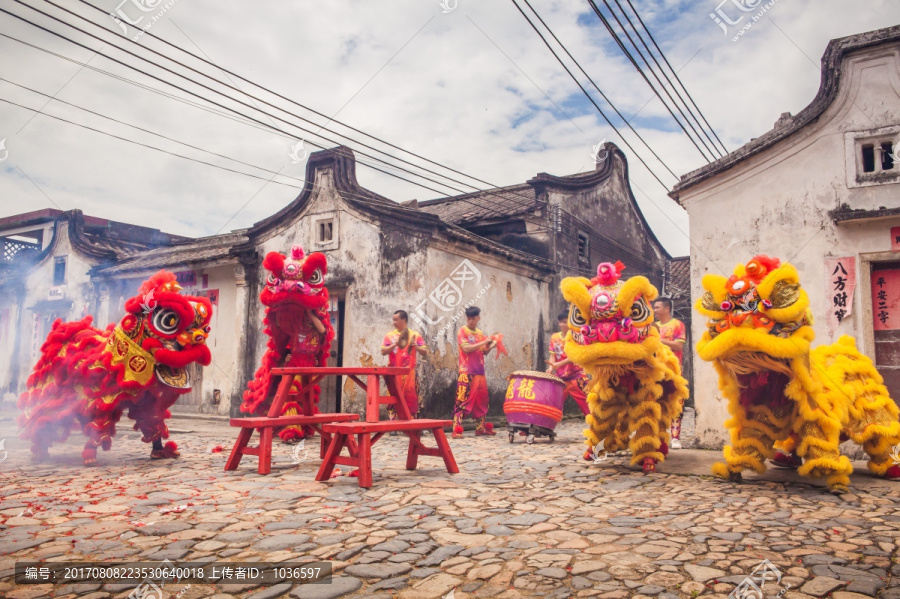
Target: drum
x,y
534,402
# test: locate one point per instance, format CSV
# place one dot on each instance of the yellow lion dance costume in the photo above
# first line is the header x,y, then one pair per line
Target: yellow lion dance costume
x,y
758,339
637,387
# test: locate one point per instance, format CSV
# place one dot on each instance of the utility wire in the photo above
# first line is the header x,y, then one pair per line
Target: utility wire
x,y
226,115
233,87
666,76
656,77
187,91
204,86
628,55
224,168
608,101
490,208
675,74
154,133
600,110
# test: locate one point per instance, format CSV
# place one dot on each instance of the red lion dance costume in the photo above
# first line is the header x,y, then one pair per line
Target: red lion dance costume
x,y
295,298
92,376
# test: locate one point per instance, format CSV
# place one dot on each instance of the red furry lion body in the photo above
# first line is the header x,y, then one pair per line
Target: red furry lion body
x,y
294,295
88,377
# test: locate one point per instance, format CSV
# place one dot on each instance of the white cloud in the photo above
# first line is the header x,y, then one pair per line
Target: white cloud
x,y
449,95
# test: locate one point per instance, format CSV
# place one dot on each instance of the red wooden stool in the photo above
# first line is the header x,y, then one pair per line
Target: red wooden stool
x,y
369,432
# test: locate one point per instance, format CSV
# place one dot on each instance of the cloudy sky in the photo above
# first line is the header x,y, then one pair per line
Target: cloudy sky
x,y
468,85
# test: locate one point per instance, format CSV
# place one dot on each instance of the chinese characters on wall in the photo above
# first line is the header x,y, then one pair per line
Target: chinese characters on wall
x,y
839,287
886,299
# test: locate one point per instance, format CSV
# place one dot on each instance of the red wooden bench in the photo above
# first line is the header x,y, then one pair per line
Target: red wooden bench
x,y
267,424
369,432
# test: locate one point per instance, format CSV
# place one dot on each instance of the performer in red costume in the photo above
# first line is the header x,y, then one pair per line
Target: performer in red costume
x,y
471,384
88,377
560,365
297,323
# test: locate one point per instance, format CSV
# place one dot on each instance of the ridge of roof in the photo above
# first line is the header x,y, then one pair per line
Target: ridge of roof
x,y
829,87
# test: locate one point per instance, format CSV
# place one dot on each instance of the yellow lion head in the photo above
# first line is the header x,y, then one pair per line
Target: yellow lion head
x,y
610,321
759,308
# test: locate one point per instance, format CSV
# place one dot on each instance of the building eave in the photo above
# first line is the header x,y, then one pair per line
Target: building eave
x,y
828,91
846,216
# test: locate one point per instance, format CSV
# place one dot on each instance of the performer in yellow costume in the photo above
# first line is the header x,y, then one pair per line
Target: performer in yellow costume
x,y
779,390
636,384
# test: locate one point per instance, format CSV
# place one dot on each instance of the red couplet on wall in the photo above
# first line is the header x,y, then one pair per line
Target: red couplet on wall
x,y
886,299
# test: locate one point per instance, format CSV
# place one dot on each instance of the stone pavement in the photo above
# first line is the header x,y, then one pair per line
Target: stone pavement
x,y
518,521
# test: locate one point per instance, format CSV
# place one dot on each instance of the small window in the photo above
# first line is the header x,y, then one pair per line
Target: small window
x,y
326,231
584,247
868,158
887,156
59,271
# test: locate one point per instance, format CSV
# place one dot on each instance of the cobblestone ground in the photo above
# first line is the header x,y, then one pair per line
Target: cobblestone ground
x,y
518,521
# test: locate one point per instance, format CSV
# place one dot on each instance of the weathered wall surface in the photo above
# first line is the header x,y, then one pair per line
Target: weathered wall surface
x,y
379,268
28,331
777,203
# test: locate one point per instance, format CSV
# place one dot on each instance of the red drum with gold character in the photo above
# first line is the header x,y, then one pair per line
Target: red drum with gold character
x,y
534,404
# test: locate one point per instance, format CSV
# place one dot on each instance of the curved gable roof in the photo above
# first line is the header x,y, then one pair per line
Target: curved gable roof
x,y
828,90
587,180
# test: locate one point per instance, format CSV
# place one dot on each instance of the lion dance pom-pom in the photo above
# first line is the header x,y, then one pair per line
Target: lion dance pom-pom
x,y
779,390
295,287
637,387
88,377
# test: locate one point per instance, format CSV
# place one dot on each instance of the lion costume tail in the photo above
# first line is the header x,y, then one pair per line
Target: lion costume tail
x,y
873,420
50,403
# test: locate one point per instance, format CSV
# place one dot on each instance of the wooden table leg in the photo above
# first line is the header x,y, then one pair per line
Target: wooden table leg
x,y
334,450
237,452
372,393
365,460
412,454
323,445
265,449
449,461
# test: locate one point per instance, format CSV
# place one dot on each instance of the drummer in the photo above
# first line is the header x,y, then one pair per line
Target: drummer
x,y
574,376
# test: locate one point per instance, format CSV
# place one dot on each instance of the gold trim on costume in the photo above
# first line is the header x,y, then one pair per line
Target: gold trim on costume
x,y
138,363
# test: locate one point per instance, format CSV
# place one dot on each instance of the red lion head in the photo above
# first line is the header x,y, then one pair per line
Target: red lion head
x,y
169,326
296,279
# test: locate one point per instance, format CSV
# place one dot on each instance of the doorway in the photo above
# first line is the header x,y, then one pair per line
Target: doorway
x,y
885,290
331,386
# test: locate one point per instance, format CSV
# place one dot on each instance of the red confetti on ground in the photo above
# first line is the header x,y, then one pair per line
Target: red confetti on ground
x,y
216,449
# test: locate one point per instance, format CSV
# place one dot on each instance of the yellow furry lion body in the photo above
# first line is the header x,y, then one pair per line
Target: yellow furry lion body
x,y
636,387
779,390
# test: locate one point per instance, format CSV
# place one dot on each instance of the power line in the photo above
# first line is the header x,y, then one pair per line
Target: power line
x,y
598,88
265,127
578,83
675,74
103,116
224,168
489,208
628,55
280,96
214,91
664,74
